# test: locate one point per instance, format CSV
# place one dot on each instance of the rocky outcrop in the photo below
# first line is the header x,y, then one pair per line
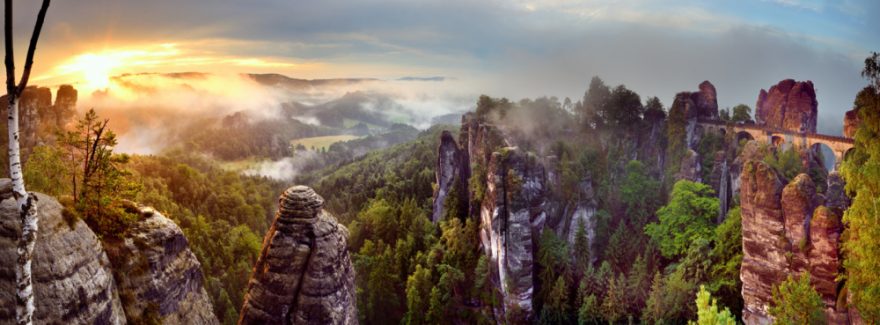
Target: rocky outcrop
x,y
786,229
304,273
851,122
789,105
452,176
73,281
39,118
699,104
512,216
158,277
690,167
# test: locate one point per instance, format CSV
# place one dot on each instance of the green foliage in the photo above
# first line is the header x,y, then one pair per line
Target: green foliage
x,y
48,171
553,262
640,193
726,255
710,143
708,312
676,134
624,108
593,107
724,114
589,311
687,217
555,310
788,162
404,171
796,302
208,203
742,113
654,111
872,70
487,105
861,170
99,183
614,306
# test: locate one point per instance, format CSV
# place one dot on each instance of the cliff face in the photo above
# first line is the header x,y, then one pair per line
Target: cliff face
x,y
73,281
452,177
39,118
512,217
699,104
850,123
789,105
304,273
157,275
786,229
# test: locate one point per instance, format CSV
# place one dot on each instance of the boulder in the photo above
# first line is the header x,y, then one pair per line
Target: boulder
x,y
789,105
304,273
72,277
158,276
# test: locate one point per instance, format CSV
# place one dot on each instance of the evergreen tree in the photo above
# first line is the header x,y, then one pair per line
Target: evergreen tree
x,y
689,215
708,312
861,170
796,302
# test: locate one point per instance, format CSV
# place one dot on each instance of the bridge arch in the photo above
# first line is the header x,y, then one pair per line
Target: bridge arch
x,y
777,141
744,135
821,152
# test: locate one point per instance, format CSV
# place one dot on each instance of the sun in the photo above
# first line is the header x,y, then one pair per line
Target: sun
x,y
95,69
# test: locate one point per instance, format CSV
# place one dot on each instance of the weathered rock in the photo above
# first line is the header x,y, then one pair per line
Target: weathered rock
x,y
73,282
452,177
304,273
158,276
764,243
835,195
39,119
512,216
789,105
851,122
690,167
786,231
699,104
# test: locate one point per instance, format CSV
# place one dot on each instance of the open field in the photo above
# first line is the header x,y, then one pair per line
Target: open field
x,y
321,142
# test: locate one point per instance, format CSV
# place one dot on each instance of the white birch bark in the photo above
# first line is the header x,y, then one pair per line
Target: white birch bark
x,y
24,308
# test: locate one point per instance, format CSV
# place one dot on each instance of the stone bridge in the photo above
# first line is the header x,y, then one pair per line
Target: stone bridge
x,y
777,136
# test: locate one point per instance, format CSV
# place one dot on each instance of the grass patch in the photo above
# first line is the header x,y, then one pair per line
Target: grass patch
x,y
319,143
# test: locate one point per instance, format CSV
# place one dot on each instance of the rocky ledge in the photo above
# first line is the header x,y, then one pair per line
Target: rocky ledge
x,y
73,280
159,278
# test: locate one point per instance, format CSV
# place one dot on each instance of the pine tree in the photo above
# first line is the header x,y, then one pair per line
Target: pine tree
x,y
861,170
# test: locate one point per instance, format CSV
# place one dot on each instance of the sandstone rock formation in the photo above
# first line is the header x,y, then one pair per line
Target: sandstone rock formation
x,y
304,273
512,216
452,177
73,281
690,167
699,104
786,230
39,118
789,105
850,123
157,275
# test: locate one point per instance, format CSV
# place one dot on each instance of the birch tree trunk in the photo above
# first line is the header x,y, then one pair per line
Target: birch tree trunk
x,y
27,209
24,307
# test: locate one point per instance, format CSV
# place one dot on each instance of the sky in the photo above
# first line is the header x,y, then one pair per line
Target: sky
x,y
513,49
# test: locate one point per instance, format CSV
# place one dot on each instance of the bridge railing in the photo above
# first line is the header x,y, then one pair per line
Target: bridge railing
x,y
776,130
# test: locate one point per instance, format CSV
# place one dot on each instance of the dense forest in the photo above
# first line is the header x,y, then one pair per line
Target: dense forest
x,y
659,251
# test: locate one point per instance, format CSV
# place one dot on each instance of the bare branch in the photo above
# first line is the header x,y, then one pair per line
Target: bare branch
x,y
10,57
29,60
